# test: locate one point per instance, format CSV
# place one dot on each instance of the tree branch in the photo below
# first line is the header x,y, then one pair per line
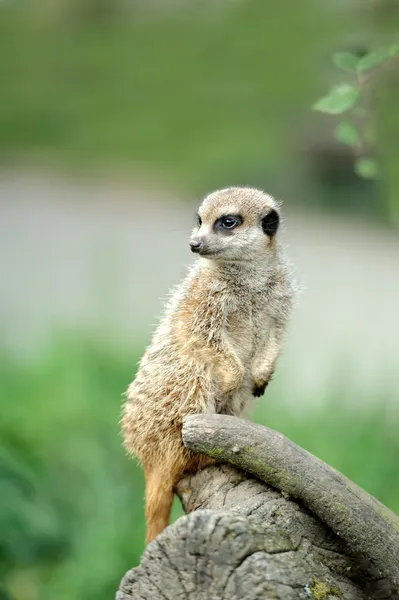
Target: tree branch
x,y
358,518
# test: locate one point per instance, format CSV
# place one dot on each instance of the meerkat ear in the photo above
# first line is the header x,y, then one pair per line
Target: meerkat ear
x,y
270,223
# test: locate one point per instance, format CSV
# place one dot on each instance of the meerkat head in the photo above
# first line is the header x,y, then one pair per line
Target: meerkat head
x,y
235,224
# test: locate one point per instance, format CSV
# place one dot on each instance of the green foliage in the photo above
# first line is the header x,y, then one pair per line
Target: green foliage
x,y
71,502
353,63
347,133
341,98
347,97
346,61
184,96
188,95
373,59
367,167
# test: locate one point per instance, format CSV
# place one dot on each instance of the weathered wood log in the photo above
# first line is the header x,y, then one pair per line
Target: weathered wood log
x,y
348,510
243,539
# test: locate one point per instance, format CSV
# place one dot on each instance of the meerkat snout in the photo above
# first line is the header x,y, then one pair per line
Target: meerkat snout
x,y
196,245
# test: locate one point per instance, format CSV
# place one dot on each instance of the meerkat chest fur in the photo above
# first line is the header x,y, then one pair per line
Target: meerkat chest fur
x,y
255,298
246,319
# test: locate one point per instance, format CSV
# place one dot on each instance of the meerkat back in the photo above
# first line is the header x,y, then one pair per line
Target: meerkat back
x,y
217,343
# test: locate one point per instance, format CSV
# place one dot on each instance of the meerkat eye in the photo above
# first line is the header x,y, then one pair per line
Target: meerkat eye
x,y
228,222
199,220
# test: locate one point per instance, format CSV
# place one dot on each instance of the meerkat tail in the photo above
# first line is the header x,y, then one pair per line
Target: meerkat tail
x,y
159,500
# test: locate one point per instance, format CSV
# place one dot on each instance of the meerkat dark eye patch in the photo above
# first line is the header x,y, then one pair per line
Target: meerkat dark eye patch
x,y
270,223
198,220
227,223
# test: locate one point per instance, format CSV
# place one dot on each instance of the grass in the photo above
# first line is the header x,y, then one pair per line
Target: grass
x,y
195,98
189,98
71,503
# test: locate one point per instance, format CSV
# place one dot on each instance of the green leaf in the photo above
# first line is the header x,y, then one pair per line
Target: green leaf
x,y
346,133
346,61
339,99
367,168
373,59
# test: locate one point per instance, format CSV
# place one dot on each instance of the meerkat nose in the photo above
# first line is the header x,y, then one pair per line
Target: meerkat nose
x,y
196,245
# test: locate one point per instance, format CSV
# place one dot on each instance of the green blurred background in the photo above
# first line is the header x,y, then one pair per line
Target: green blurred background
x,y
115,118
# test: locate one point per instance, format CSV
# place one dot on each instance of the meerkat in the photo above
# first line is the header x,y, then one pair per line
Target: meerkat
x,y
217,343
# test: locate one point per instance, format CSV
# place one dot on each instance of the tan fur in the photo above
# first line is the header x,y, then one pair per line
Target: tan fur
x,y
218,340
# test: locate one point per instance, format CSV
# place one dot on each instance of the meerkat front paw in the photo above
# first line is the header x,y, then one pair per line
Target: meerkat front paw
x,y
261,381
259,389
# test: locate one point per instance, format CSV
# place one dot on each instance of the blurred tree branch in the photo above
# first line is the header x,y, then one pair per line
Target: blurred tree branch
x,y
368,72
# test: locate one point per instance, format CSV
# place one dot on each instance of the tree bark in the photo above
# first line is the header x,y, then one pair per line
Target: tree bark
x,y
243,539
